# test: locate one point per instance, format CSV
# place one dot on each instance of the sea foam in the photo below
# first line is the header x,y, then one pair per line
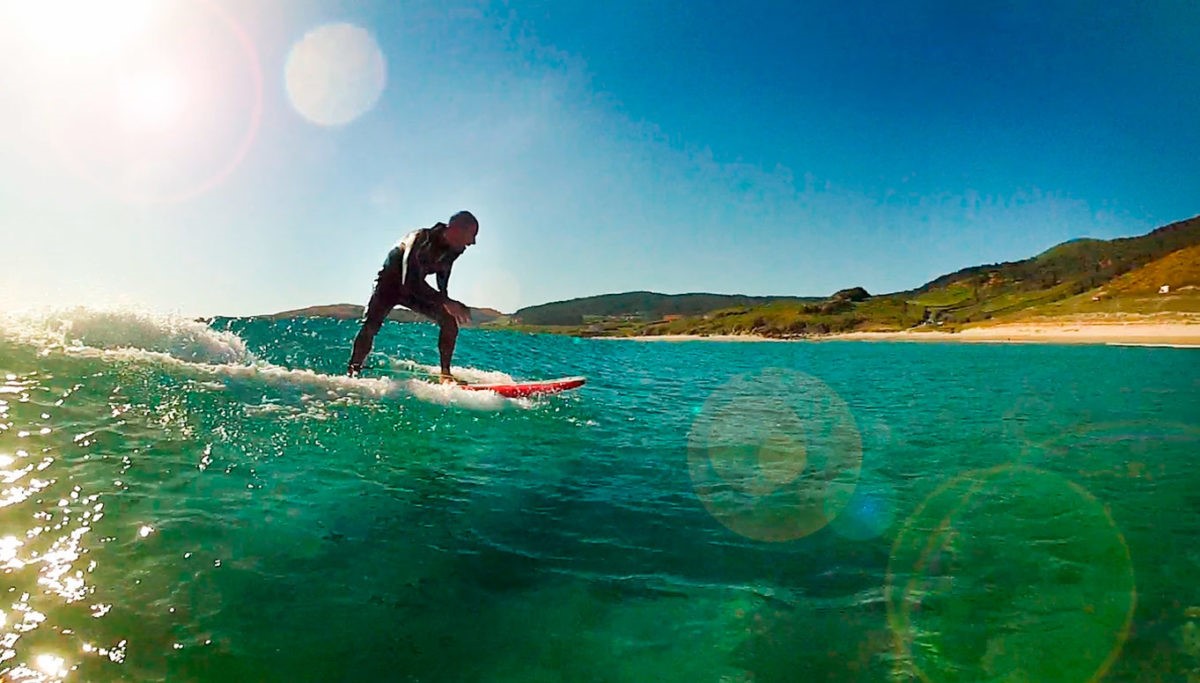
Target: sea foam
x,y
196,348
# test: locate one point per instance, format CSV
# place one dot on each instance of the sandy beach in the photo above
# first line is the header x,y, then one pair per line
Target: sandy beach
x,y
1184,332
1156,334
699,337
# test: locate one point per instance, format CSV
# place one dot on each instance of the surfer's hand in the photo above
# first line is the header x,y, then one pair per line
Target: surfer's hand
x,y
458,311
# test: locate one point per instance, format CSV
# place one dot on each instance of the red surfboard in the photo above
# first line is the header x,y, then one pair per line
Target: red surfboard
x,y
528,388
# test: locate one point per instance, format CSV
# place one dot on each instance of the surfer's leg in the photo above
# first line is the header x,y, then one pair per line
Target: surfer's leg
x,y
447,332
447,336
377,310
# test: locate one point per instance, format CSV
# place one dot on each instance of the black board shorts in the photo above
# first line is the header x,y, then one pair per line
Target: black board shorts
x,y
388,294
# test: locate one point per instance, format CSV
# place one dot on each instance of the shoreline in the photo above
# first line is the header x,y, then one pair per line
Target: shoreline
x,y
699,337
1172,334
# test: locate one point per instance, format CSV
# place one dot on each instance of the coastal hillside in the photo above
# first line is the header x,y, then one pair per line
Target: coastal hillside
x,y
1175,271
1075,267
638,307
1089,261
1167,286
1079,272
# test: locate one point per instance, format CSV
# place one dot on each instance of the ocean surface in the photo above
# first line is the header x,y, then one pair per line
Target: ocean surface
x,y
214,502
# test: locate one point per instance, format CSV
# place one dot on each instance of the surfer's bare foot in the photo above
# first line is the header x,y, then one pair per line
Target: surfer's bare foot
x,y
447,378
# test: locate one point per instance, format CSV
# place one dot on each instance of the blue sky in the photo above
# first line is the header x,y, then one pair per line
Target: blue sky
x,y
219,157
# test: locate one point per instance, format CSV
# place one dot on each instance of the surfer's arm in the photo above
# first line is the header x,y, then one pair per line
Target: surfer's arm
x,y
421,291
413,281
443,280
433,299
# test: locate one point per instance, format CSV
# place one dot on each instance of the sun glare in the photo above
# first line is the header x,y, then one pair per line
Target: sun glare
x,y
149,100
152,99
74,28
52,665
335,74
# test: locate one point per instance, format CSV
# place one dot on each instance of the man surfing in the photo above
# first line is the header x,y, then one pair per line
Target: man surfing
x,y
401,282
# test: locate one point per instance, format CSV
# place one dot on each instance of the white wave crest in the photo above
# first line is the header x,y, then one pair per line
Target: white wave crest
x,y
115,329
472,375
222,357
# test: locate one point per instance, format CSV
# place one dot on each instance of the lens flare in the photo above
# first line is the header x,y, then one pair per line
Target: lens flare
x,y
153,99
74,29
165,118
774,456
335,74
1011,573
866,513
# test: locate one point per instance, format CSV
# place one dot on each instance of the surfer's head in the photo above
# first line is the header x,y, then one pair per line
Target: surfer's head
x,y
461,230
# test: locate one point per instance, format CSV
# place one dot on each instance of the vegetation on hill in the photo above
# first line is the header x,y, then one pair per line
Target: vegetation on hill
x,y
1138,292
988,292
635,306
1081,264
1073,272
1176,271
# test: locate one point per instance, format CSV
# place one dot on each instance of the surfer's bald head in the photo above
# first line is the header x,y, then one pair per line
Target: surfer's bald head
x,y
463,218
461,230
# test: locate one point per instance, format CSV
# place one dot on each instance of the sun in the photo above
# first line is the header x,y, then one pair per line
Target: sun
x,y
77,28
153,99
147,100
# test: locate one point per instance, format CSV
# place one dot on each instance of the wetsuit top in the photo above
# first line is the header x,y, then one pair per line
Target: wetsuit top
x,y
420,253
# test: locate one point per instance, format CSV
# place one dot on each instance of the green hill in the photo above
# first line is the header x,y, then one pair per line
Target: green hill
x,y
1070,268
1176,271
1138,292
1069,272
637,307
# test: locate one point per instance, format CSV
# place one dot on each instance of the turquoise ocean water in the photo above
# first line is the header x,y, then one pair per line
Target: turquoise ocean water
x,y
214,502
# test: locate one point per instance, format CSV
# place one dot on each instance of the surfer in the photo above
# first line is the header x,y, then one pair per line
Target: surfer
x,y
401,282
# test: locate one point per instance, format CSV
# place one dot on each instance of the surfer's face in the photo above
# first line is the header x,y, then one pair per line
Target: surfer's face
x,y
461,235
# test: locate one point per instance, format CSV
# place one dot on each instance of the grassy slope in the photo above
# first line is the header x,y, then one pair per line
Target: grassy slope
x,y
643,306
1124,274
1177,270
1134,293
